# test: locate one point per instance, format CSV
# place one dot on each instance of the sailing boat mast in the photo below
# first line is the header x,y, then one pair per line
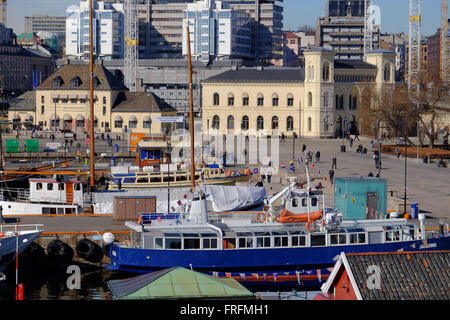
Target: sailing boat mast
x,y
91,84
191,110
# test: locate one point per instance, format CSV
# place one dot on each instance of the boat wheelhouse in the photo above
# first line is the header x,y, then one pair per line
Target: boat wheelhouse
x,y
45,196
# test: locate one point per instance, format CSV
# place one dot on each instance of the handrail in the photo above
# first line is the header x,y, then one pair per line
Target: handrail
x,y
23,227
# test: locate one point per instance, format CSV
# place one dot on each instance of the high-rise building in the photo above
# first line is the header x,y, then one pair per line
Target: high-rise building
x,y
342,29
435,52
3,11
216,31
108,26
47,24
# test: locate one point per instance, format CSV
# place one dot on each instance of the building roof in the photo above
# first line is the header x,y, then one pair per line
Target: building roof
x,y
67,72
290,34
353,64
404,275
24,102
270,74
140,102
177,283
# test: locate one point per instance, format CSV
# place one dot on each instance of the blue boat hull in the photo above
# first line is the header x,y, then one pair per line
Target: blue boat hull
x,y
290,266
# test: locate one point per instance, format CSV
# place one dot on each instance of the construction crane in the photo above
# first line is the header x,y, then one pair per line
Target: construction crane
x,y
131,44
444,55
368,27
415,18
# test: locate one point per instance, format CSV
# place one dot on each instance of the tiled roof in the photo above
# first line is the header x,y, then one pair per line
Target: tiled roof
x,y
24,102
140,102
353,64
68,72
270,74
404,275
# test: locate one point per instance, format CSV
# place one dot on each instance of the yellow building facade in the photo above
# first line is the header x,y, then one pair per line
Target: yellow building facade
x,y
319,100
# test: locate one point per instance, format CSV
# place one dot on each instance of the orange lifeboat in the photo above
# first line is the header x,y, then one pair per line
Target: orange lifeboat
x,y
288,217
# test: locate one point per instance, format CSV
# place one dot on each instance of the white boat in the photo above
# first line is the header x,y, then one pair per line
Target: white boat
x,y
45,196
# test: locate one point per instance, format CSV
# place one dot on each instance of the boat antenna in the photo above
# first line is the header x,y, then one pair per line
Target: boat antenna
x,y
91,85
191,110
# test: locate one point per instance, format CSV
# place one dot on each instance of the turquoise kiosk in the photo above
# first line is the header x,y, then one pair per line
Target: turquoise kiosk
x,y
361,197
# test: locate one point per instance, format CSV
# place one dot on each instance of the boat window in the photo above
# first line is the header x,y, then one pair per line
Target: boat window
x,y
181,178
158,243
357,238
245,242
173,243
39,186
392,236
295,202
229,243
49,186
129,180
209,243
142,180
155,179
280,241
337,239
409,234
314,202
61,186
317,240
298,241
77,187
263,242
192,243
170,179
304,202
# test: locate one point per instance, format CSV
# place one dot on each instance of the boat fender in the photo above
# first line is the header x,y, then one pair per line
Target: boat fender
x,y
89,250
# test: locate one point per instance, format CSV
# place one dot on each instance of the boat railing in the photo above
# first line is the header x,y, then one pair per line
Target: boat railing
x,y
22,227
18,194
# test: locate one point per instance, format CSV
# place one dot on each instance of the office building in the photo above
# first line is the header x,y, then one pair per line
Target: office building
x,y
47,24
108,24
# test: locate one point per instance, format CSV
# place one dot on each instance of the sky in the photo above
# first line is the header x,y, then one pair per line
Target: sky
x,y
394,13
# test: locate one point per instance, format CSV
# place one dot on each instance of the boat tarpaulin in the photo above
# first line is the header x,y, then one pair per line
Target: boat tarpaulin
x,y
177,283
229,198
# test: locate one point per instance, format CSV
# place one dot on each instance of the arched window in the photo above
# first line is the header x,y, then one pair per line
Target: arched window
x,y
230,122
309,124
311,72
289,123
310,99
290,100
104,100
260,123
275,100
387,72
326,72
75,82
216,99
245,99
274,122
216,122
230,99
260,99
244,123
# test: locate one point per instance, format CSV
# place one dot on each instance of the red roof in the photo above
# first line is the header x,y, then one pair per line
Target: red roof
x,y
290,34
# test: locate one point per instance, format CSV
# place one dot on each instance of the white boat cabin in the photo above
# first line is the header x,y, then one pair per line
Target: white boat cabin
x,y
56,191
299,203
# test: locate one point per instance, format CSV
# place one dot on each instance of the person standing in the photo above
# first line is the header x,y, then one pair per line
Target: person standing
x,y
334,163
318,156
331,173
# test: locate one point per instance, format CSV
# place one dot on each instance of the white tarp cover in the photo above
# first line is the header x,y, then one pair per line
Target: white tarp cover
x,y
228,198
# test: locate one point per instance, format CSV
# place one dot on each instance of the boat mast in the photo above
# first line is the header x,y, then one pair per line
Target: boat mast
x,y
191,104
91,70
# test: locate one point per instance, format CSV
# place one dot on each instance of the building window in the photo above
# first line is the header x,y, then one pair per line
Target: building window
x,y
75,82
42,99
104,110
230,122
326,72
309,124
245,100
132,124
290,100
216,99
118,124
310,99
147,124
104,100
244,123
216,122
260,99
42,109
311,73
260,123
275,100
230,99
274,122
387,72
290,123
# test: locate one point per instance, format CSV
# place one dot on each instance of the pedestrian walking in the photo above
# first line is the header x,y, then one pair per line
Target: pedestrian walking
x,y
304,148
351,142
334,163
357,135
318,156
331,173
269,175
283,137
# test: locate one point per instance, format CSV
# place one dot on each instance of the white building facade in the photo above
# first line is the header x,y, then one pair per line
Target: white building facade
x,y
217,32
108,26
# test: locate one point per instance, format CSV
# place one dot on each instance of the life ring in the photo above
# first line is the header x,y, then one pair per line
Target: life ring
x,y
307,225
261,217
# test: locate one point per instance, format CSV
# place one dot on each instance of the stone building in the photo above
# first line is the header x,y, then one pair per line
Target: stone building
x,y
319,100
